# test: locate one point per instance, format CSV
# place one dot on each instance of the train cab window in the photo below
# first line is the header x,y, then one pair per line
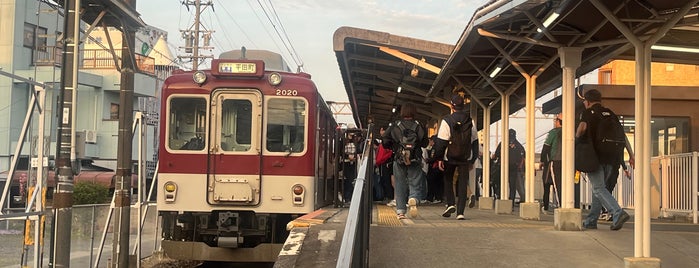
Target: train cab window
x,y
187,123
286,125
236,125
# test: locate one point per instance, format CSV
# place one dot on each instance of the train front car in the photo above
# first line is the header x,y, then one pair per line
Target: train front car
x,y
243,151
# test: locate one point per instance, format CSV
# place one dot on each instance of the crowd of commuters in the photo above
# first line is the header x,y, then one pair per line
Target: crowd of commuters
x,y
416,169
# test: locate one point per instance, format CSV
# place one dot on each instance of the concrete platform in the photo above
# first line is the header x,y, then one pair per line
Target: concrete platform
x,y
486,239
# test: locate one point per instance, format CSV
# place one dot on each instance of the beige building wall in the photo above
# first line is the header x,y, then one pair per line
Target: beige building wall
x,y
622,72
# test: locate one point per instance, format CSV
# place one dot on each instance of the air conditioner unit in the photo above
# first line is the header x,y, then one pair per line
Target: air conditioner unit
x,y
90,136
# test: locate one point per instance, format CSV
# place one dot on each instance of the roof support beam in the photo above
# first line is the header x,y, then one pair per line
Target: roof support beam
x,y
417,62
526,40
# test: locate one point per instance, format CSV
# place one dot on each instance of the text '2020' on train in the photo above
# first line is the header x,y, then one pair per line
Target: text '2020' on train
x,y
245,147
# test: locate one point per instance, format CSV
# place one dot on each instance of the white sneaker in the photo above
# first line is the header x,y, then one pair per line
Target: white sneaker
x,y
460,217
424,201
392,203
436,201
412,202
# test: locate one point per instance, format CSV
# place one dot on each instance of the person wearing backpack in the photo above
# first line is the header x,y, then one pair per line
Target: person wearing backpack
x,y
456,147
406,137
600,125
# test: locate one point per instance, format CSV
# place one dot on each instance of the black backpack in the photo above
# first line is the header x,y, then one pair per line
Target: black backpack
x,y
609,138
408,151
459,147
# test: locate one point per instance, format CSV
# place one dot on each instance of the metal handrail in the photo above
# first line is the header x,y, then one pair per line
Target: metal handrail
x,y
354,250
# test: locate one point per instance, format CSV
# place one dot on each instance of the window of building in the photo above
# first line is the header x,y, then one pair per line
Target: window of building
x,y
114,111
29,35
669,135
605,77
286,125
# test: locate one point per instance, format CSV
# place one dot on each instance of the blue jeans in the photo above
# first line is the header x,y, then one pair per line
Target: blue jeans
x,y
601,196
407,184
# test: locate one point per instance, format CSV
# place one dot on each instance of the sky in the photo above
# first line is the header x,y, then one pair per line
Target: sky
x,y
310,25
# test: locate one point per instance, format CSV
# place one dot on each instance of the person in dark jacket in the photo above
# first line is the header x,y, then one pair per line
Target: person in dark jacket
x,y
515,166
601,197
463,163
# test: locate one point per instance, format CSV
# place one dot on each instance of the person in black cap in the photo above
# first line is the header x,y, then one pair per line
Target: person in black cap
x,y
456,147
515,167
589,121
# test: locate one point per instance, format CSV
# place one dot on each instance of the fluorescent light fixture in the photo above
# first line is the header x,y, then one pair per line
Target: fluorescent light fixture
x,y
675,48
495,71
399,89
550,19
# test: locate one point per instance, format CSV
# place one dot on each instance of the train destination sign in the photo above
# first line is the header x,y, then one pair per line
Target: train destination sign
x,y
237,67
243,67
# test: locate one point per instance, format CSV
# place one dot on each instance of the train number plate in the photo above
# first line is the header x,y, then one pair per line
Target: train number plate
x,y
232,190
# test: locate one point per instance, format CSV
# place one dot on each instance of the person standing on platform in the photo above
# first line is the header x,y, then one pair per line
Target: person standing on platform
x,y
435,176
406,137
478,165
456,148
612,178
551,160
349,168
591,127
385,163
516,166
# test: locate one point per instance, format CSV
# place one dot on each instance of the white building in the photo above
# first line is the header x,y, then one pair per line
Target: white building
x,y
31,49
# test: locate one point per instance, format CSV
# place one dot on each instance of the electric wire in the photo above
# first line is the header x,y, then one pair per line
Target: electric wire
x,y
274,26
238,25
281,25
275,29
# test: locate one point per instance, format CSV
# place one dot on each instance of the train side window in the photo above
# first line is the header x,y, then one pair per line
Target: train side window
x,y
187,123
236,125
286,125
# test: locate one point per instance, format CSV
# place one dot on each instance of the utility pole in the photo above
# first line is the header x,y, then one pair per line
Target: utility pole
x,y
63,196
122,194
194,33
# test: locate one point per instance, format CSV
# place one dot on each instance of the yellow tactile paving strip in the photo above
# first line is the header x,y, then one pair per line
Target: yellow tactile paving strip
x,y
387,216
430,216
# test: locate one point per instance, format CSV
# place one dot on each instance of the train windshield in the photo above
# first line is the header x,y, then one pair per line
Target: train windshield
x,y
286,125
187,123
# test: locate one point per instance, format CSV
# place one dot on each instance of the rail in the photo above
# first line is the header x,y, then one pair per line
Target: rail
x,y
103,59
354,250
678,187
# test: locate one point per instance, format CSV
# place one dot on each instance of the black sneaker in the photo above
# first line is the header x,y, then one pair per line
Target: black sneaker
x,y
589,226
447,212
620,222
472,201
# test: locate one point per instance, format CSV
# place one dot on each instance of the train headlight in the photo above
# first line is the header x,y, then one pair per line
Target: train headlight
x,y
170,191
298,191
199,77
275,79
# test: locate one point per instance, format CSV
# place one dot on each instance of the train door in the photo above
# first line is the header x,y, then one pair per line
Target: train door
x,y
235,147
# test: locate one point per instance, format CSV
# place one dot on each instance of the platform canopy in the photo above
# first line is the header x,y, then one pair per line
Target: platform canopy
x,y
374,64
504,34
112,12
